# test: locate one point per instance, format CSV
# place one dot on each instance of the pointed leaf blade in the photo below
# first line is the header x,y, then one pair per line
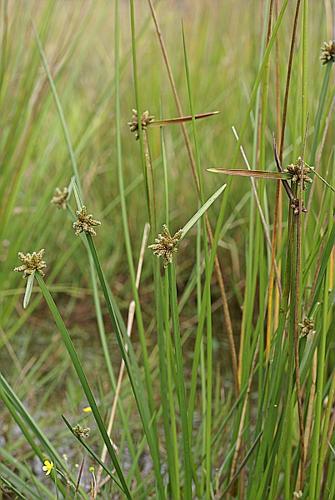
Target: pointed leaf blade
x,y
202,210
29,289
258,174
180,119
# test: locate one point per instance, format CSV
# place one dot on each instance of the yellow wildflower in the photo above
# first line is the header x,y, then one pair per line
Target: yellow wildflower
x,y
47,467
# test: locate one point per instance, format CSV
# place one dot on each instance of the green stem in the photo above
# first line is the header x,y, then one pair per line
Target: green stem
x,y
180,383
83,380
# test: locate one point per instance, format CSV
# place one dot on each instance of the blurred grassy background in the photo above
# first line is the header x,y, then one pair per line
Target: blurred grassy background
x,y
223,40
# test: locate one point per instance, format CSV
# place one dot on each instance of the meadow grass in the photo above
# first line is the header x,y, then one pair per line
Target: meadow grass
x,y
183,348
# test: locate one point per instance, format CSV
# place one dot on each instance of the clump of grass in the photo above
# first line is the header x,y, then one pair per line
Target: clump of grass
x,y
226,387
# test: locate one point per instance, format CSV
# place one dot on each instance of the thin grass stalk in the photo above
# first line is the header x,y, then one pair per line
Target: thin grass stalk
x,y
151,180
21,137
139,108
206,372
261,212
209,394
187,492
59,107
326,322
175,93
218,271
201,318
282,128
262,191
282,358
295,313
146,417
254,245
288,80
255,260
4,42
166,381
171,388
242,419
310,409
278,216
319,113
91,452
293,354
296,298
83,380
254,91
316,471
79,194
317,124
327,431
124,214
274,292
209,231
166,357
131,315
96,299
21,424
31,423
304,72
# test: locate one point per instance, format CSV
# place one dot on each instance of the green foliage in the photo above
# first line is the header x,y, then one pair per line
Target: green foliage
x,y
208,373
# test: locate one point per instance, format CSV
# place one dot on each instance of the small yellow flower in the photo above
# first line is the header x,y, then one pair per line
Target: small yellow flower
x,y
47,467
87,409
91,469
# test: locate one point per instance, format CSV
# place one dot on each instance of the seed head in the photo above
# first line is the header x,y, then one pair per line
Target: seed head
x,y
297,209
31,263
328,52
81,432
307,327
146,119
60,197
166,245
85,222
300,172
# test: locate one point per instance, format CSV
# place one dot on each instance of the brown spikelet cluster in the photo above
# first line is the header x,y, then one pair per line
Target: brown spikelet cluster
x,y
328,52
307,327
297,209
60,197
81,432
31,262
165,245
300,172
85,222
146,119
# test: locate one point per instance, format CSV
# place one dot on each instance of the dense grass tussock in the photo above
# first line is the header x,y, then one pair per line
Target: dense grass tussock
x,y
167,192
